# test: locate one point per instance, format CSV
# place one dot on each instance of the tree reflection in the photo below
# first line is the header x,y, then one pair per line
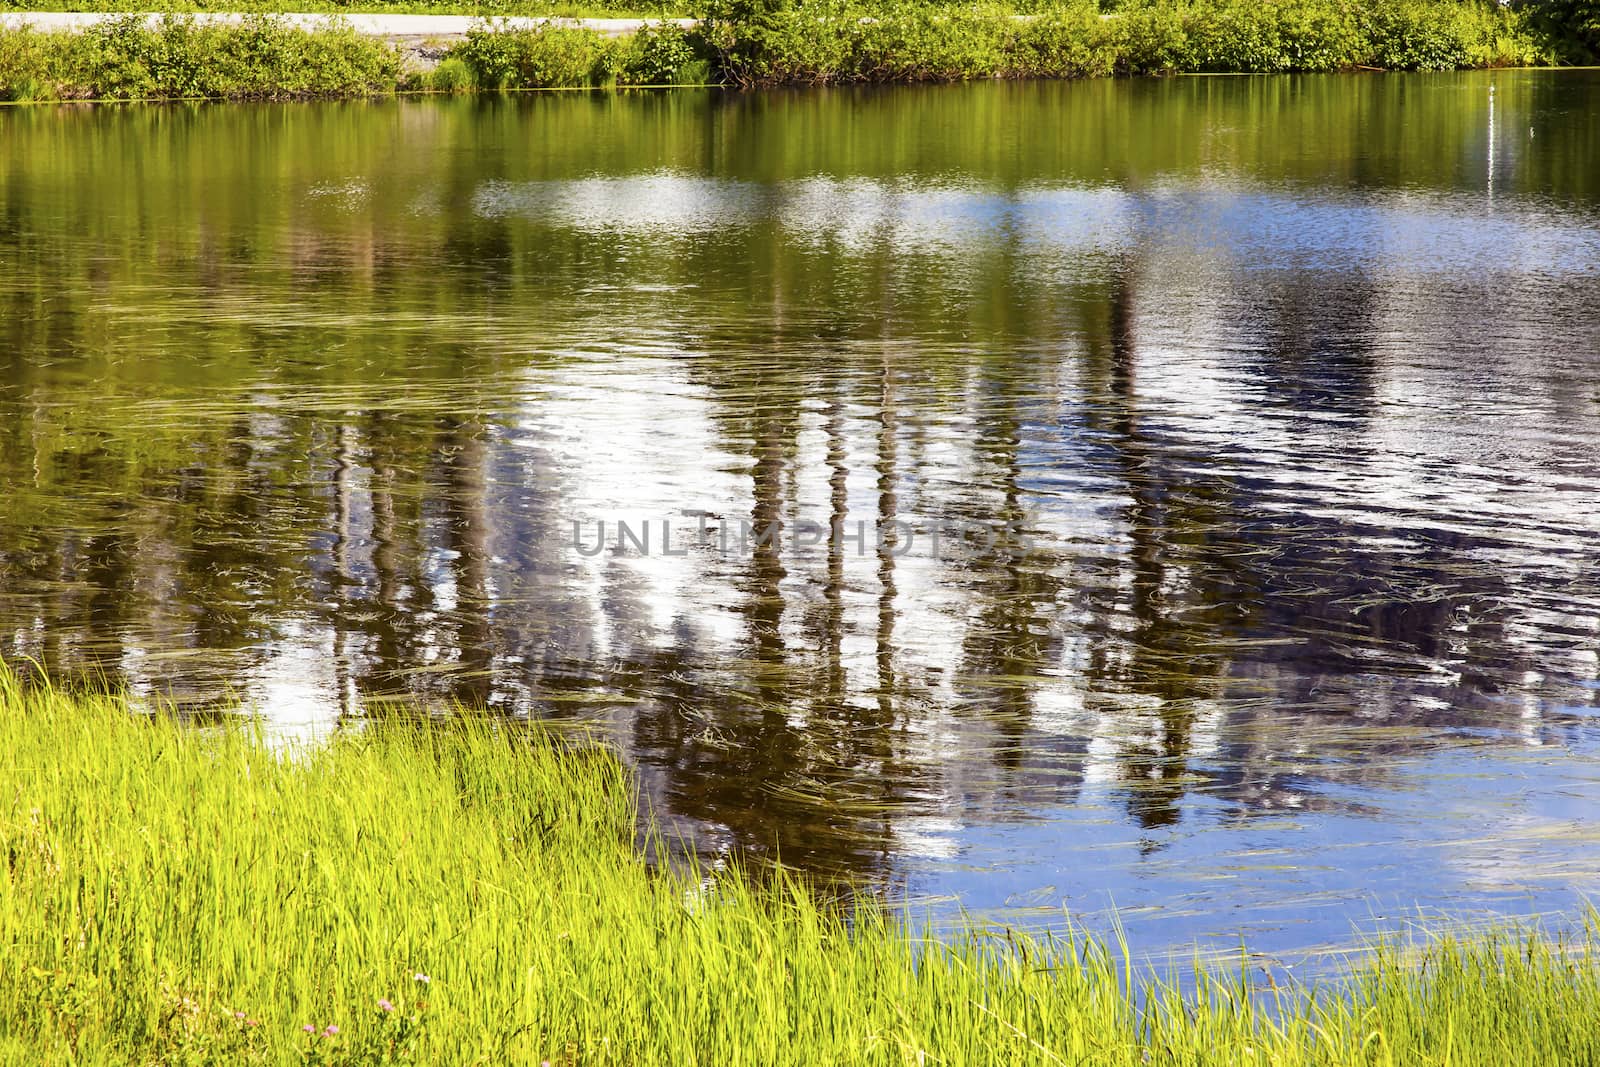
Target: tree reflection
x,y
359,431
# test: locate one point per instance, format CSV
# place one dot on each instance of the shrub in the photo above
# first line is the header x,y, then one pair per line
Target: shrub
x,y
773,42
1318,36
262,58
452,75
1418,36
1272,37
265,58
921,44
1150,39
24,64
662,55
1572,27
760,43
526,59
1074,43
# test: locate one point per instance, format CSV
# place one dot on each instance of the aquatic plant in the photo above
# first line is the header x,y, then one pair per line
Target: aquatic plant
x,y
175,894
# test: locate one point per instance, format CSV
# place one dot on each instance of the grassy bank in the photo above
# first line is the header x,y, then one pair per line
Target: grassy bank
x,y
261,59
812,42
473,894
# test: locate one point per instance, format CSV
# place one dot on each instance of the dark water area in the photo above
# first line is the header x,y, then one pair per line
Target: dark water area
x,y
1258,419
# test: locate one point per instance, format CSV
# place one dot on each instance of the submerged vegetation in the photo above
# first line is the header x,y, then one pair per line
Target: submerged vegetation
x,y
754,43
470,891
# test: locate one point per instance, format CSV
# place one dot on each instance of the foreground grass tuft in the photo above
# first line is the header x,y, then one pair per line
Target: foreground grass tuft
x,y
472,893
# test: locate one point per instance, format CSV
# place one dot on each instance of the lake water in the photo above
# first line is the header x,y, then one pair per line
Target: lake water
x,y
1258,420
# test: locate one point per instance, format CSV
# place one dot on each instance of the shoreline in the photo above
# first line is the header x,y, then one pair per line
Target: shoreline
x,y
102,56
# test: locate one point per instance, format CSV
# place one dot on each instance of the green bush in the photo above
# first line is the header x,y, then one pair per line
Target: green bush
x,y
932,46
550,58
841,41
663,55
1277,36
1318,36
1074,43
452,75
1572,27
24,57
21,65
1151,39
1417,36
755,42
774,42
1507,38
262,58
766,42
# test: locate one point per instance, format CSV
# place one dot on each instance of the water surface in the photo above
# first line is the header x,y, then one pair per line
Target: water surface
x,y
1284,391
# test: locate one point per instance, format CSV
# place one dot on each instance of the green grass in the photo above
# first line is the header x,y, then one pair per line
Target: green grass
x,y
176,895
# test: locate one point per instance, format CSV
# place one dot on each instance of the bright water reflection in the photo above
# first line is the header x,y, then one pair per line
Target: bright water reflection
x,y
1293,385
